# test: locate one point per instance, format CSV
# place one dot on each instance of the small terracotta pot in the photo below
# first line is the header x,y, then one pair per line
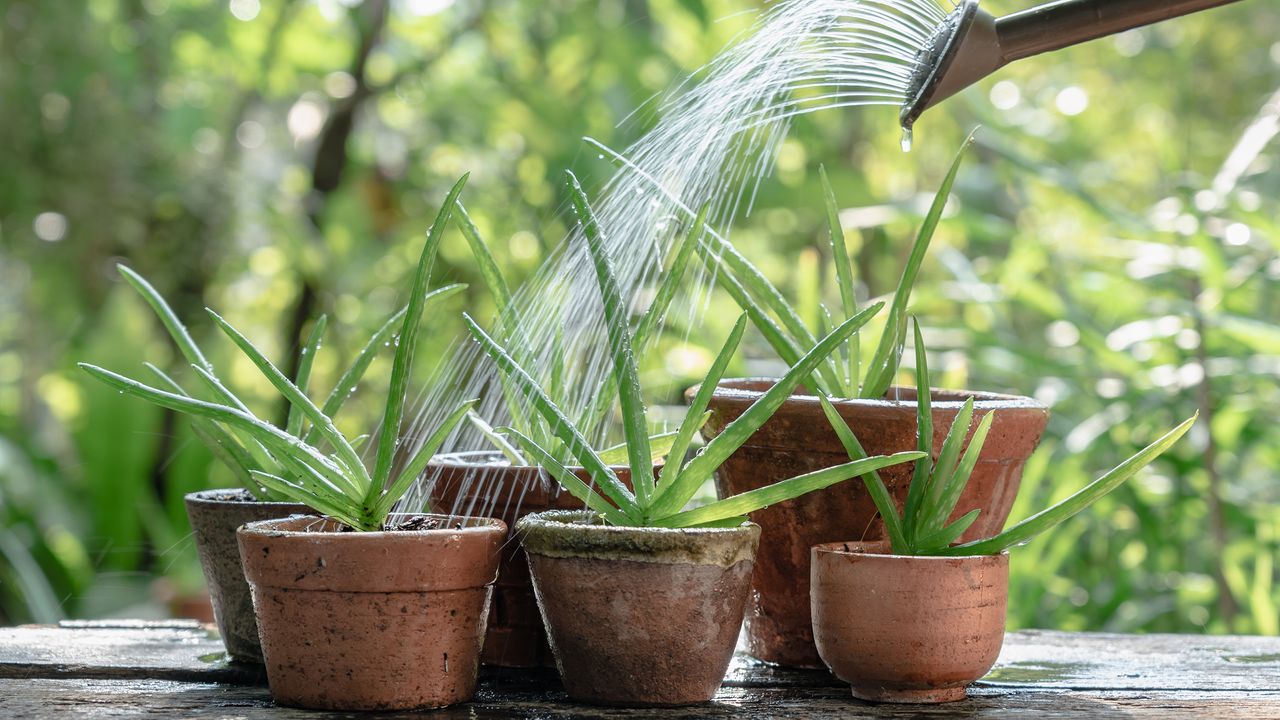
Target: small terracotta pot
x,y
485,483
371,620
639,616
215,515
905,629
798,439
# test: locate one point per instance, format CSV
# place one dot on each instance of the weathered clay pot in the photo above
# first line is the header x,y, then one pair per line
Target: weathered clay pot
x,y
907,629
639,616
215,515
371,620
484,483
798,439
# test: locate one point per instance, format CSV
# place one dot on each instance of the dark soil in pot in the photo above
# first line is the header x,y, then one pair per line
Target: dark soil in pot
x,y
215,515
798,439
371,621
639,616
908,629
485,483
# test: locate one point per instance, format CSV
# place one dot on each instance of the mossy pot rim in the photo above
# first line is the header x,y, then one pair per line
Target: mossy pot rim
x,y
881,549
746,389
583,534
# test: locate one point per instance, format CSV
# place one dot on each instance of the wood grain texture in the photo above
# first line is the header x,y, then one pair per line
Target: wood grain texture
x,y
128,669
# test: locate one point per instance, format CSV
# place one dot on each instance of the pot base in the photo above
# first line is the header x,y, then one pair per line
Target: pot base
x,y
909,697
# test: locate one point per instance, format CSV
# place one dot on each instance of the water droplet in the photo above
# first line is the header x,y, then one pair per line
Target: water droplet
x,y
304,351
906,139
600,156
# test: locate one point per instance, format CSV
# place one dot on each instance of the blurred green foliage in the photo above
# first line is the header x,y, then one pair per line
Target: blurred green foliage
x,y
279,159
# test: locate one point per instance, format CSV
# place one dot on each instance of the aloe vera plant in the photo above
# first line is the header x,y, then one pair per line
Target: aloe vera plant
x,y
921,528
309,460
844,374
660,501
506,330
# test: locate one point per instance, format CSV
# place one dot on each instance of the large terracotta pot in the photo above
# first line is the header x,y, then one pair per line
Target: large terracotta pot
x,y
907,629
798,439
215,515
371,620
484,483
639,616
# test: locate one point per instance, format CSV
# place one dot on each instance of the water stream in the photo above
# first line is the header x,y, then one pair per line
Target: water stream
x,y
715,142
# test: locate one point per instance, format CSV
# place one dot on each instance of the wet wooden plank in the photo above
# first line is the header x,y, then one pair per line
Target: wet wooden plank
x,y
137,669
174,650
91,699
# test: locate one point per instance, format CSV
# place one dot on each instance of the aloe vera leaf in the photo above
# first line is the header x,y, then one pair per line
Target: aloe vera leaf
x,y
418,463
959,478
944,469
560,426
353,374
283,487
944,536
269,435
186,345
485,262
228,450
839,248
618,326
573,483
674,487
875,486
923,473
671,280
1081,499
407,343
753,500
730,522
744,426
495,439
884,363
659,445
309,350
296,397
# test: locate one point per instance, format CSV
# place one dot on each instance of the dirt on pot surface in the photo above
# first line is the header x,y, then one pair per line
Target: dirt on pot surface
x,y
905,629
214,516
798,439
486,483
371,621
639,616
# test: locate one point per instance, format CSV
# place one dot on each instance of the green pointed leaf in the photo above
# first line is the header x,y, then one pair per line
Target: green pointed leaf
x,y
407,342
186,345
959,478
1024,531
575,444
570,482
309,350
875,486
884,363
943,537
753,500
618,327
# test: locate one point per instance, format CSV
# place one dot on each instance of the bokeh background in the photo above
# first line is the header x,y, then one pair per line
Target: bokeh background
x,y
1111,249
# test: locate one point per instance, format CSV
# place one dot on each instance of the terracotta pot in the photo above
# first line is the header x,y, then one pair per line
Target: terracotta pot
x,y
907,629
485,483
798,439
371,620
639,616
215,515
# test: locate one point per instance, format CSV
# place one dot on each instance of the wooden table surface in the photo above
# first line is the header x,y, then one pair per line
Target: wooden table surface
x,y
127,669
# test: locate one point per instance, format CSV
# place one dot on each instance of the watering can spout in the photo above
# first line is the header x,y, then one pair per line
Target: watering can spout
x,y
971,44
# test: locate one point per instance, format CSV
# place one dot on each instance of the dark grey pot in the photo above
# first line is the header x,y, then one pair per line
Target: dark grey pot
x,y
215,515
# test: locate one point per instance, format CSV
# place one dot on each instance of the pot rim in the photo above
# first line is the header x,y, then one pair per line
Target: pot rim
x,y
841,548
473,526
200,497
590,538
730,389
